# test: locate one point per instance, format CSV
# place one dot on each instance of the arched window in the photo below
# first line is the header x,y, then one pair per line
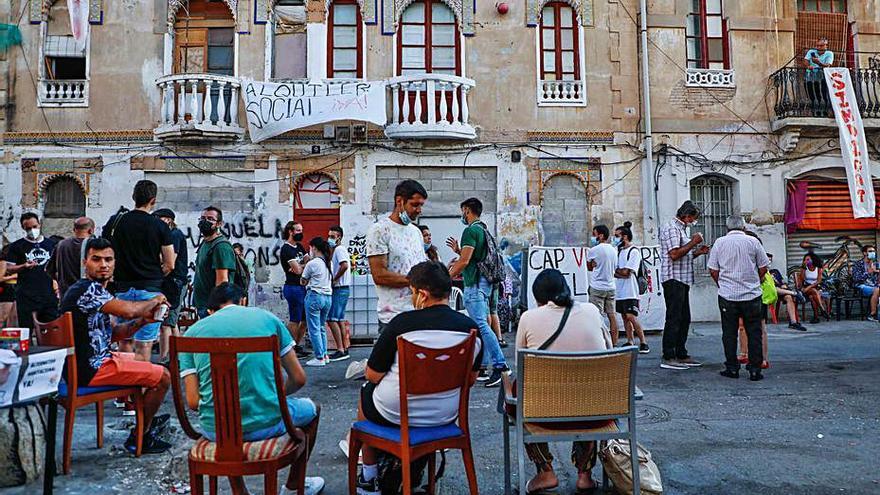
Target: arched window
x,y
345,53
714,196
428,40
560,53
64,198
204,38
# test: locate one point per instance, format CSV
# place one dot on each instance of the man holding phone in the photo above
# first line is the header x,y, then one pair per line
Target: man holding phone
x,y
678,248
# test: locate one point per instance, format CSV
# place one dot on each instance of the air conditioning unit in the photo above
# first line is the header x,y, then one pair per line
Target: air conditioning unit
x,y
359,134
343,134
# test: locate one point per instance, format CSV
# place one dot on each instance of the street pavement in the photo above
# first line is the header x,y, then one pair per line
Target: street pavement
x,y
810,427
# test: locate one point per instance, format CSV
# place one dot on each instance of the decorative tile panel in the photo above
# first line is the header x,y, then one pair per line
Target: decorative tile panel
x,y
261,11
96,11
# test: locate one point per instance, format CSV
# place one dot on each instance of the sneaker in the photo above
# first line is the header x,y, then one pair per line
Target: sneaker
x,y
365,487
313,485
343,446
797,326
300,352
625,344
326,359
483,375
356,369
503,343
729,374
495,378
315,362
672,364
159,423
871,318
643,348
119,404
339,356
152,444
690,362
128,409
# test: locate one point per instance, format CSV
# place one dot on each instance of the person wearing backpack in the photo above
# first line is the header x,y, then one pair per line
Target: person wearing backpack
x,y
629,264
215,259
477,263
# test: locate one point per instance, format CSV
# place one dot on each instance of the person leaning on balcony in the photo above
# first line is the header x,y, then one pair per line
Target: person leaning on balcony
x,y
818,58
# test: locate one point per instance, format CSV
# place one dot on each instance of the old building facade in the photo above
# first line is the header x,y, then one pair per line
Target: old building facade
x,y
534,107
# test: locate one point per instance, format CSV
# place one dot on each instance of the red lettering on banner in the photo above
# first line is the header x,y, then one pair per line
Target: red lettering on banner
x,y
846,115
857,164
860,179
853,130
856,152
861,193
578,259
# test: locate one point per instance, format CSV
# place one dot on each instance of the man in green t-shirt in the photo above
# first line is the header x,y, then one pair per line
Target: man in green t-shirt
x,y
260,416
477,289
215,260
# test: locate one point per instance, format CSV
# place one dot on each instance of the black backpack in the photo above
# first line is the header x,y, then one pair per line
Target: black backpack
x,y
492,265
242,276
391,474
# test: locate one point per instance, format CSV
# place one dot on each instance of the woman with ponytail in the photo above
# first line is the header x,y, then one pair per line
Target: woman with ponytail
x,y
582,330
316,277
629,259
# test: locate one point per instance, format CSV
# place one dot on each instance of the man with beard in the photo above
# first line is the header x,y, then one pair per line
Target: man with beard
x,y
215,260
29,256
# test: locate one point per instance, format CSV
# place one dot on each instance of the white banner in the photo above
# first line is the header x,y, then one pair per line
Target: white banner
x,y
572,262
79,21
275,108
853,145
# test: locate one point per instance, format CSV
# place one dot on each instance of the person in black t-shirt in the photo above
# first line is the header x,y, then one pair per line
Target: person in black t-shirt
x,y
35,291
174,284
293,291
432,324
144,255
91,307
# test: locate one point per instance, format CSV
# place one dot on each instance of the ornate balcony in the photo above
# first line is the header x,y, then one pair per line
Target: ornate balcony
x,y
199,106
430,106
562,93
64,93
710,78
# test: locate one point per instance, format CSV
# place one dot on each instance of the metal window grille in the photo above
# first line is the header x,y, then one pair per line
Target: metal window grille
x,y
64,199
713,195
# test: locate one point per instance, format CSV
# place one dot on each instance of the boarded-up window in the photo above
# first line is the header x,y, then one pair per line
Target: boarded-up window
x,y
64,199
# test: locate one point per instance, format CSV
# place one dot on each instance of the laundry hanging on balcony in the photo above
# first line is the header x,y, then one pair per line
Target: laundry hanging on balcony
x,y
79,21
10,36
275,108
853,144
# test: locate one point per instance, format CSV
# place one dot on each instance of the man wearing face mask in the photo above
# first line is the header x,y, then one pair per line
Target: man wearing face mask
x,y
293,291
477,289
678,250
28,258
341,281
215,259
601,263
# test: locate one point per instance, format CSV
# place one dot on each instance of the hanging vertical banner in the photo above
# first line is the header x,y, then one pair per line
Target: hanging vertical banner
x,y
853,145
79,21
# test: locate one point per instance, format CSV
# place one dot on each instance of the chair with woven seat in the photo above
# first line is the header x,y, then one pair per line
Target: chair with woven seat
x,y
423,371
72,396
230,456
570,396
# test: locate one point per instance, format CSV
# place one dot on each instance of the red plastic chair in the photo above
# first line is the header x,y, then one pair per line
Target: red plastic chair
x,y
423,370
230,455
72,396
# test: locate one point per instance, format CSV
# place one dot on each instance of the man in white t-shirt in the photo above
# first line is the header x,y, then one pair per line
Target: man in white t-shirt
x,y
341,292
629,259
394,245
601,262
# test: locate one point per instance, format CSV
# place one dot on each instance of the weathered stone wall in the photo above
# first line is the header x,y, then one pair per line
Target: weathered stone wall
x,y
447,187
565,210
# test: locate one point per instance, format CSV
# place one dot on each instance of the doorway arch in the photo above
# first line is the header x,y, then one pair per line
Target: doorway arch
x,y
565,210
63,202
316,203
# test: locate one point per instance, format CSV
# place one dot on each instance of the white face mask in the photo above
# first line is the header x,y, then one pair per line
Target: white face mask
x,y
33,234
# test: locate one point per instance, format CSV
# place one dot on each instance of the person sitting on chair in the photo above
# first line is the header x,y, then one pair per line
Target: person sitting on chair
x,y
91,306
432,324
260,416
788,296
584,330
865,278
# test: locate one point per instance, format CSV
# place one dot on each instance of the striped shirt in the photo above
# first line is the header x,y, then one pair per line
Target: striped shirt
x,y
738,257
674,235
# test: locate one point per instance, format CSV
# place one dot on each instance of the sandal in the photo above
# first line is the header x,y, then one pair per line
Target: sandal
x,y
502,343
743,358
593,490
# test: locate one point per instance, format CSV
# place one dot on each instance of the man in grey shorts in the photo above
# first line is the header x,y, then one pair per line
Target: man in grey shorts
x,y
601,262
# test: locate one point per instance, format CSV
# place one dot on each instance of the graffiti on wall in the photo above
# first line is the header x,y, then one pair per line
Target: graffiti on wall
x,y
357,252
260,236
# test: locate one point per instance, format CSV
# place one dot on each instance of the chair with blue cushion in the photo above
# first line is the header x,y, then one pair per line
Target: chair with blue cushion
x,y
71,396
423,370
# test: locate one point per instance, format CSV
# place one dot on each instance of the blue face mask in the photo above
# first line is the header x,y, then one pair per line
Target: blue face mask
x,y
616,242
404,218
427,246
331,242
872,255
594,242
464,220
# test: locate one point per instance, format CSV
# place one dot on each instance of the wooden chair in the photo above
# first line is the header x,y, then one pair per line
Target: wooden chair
x,y
230,455
423,370
567,396
72,396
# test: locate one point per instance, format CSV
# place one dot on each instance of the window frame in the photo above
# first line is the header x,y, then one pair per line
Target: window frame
x,y
359,47
428,44
705,182
57,196
83,102
802,6
704,62
557,42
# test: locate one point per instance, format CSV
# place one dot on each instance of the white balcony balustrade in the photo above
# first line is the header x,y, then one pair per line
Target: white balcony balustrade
x,y
710,78
199,106
562,93
64,92
430,106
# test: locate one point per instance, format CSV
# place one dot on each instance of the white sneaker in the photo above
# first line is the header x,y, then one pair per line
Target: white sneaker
x,y
343,446
356,369
314,485
315,362
326,359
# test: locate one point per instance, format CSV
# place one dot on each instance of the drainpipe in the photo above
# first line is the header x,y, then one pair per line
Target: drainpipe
x,y
649,196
